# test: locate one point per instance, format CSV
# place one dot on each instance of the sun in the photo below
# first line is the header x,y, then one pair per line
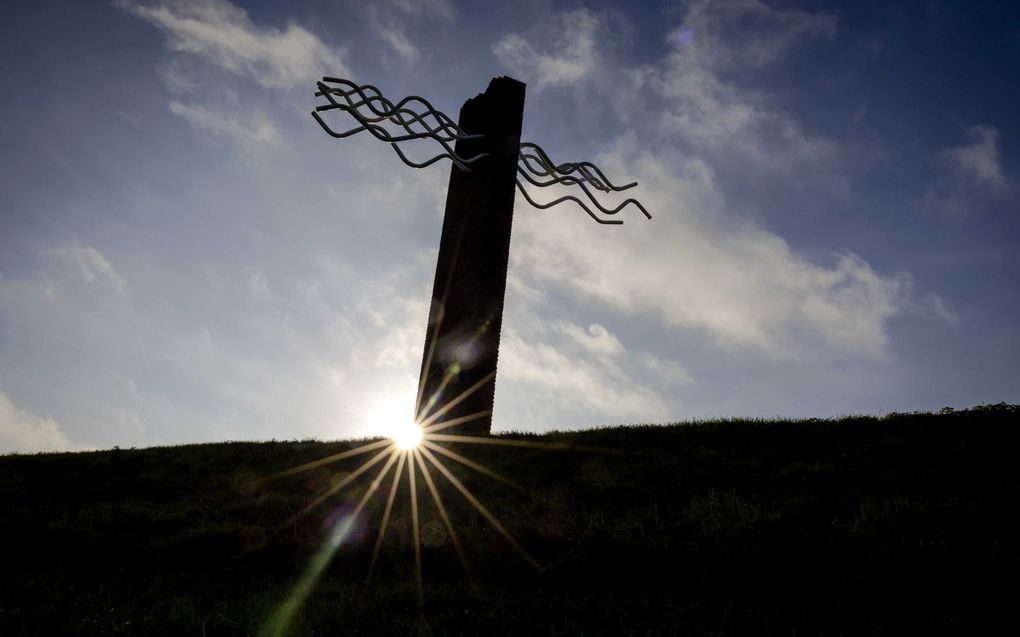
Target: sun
x,y
417,448
391,415
406,436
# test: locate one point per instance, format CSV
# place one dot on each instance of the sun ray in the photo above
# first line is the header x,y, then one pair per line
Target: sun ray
x,y
424,409
481,508
456,401
354,475
417,537
374,486
428,362
472,464
445,517
422,455
280,620
440,315
445,424
365,448
386,515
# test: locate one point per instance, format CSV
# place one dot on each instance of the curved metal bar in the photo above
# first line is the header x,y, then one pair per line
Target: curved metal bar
x,y
415,118
370,108
384,135
564,180
584,167
381,133
595,201
556,181
462,163
524,191
535,165
442,118
419,119
616,209
457,159
392,112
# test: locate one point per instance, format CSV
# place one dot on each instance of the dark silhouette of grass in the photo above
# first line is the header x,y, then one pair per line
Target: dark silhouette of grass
x,y
905,524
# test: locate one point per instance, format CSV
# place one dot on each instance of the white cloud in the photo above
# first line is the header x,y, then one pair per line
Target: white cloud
x,y
719,119
393,34
401,336
595,340
24,432
177,76
560,377
669,372
697,266
433,8
745,33
390,21
979,160
257,130
90,265
687,97
570,56
970,174
702,107
224,34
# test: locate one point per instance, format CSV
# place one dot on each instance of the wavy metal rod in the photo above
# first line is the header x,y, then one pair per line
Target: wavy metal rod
x,y
459,161
584,207
372,124
371,109
608,222
565,180
534,162
398,113
393,112
441,118
584,167
389,110
384,135
406,125
383,109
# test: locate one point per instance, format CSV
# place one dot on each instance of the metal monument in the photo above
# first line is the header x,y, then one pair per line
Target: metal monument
x,y
457,382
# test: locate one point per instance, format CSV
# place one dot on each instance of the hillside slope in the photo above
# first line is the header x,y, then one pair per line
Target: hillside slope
x,y
860,526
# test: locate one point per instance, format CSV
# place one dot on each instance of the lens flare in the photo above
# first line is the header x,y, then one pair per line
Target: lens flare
x,y
420,444
407,437
685,37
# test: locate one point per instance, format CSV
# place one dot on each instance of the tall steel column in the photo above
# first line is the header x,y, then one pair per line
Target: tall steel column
x,y
462,339
458,373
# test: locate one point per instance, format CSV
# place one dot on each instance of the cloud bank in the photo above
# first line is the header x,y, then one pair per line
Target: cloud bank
x,y
24,432
697,264
222,33
980,159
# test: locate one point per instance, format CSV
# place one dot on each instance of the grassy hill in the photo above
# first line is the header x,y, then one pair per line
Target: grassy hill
x,y
862,526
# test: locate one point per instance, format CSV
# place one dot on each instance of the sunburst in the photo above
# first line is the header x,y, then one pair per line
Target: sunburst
x,y
421,445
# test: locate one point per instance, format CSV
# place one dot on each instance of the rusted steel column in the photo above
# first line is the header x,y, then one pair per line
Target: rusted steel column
x,y
462,340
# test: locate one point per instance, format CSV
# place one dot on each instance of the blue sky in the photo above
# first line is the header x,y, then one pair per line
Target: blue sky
x,y
185,256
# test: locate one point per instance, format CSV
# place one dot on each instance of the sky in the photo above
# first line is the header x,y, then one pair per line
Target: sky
x,y
185,256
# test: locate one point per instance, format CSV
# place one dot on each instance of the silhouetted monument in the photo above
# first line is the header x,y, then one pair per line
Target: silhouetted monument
x,y
458,372
462,339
